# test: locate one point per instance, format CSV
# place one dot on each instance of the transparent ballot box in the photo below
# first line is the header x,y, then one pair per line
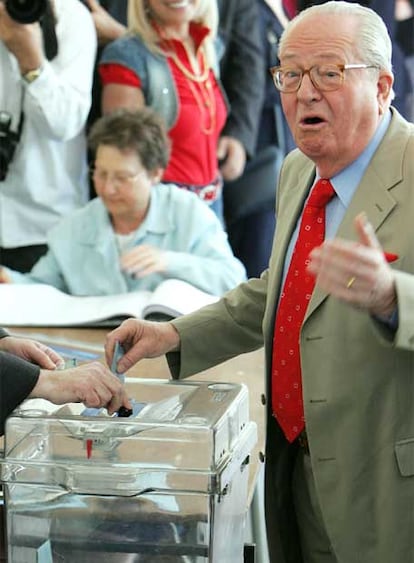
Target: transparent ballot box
x,y
166,484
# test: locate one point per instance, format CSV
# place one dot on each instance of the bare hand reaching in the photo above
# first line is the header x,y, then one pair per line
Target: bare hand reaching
x,y
32,351
92,384
141,339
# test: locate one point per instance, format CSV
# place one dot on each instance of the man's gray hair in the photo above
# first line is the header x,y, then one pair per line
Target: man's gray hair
x,y
372,41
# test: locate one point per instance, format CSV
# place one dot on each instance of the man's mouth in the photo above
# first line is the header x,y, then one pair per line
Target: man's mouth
x,y
315,120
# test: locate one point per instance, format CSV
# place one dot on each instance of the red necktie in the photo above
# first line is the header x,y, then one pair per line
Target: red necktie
x,y
290,8
287,400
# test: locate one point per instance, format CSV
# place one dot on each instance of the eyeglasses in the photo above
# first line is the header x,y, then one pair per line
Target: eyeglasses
x,y
324,77
118,179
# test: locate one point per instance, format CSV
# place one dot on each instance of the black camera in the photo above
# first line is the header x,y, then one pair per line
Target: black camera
x,y
8,143
26,11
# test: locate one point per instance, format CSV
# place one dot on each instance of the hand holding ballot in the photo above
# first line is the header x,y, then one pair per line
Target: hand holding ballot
x,y
140,339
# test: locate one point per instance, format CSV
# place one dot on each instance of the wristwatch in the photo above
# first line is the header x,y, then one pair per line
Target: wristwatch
x,y
32,75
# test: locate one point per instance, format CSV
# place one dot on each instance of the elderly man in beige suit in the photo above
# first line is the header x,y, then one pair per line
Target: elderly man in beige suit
x,y
342,491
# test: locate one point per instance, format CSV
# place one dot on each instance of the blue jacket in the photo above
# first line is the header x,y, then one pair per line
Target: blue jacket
x,y
83,257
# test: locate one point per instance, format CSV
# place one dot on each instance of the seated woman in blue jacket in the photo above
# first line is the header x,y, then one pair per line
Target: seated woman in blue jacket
x,y
137,232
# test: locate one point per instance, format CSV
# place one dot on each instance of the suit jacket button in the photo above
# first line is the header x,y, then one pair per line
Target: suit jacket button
x,y
261,457
263,398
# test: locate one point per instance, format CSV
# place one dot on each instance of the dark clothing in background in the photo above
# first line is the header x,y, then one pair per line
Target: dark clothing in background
x,y
405,35
242,69
251,222
22,258
243,74
273,129
402,85
117,8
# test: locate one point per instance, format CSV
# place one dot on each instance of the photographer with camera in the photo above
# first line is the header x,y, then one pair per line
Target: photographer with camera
x,y
47,53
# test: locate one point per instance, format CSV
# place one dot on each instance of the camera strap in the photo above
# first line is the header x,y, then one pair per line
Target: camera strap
x,y
18,133
20,125
48,25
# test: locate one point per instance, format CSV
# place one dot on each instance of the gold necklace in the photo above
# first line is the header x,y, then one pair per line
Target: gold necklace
x,y
206,103
196,76
205,99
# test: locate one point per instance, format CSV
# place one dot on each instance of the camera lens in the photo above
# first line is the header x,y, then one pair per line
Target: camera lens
x,y
26,11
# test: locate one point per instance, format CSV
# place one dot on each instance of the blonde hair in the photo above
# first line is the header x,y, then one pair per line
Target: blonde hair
x,y
372,41
140,22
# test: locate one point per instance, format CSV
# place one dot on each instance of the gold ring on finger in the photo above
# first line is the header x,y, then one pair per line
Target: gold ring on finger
x,y
350,282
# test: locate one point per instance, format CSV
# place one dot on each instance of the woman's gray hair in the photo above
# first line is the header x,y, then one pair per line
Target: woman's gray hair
x,y
372,41
140,21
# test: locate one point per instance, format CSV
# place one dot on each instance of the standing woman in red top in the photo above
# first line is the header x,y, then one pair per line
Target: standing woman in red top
x,y
168,60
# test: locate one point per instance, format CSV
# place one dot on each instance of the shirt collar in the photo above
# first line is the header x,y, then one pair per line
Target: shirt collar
x,y
158,219
198,33
346,182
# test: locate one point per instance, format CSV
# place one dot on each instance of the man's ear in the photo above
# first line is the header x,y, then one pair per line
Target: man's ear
x,y
385,92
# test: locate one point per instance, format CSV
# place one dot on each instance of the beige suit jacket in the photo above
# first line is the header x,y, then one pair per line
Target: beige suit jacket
x,y
358,376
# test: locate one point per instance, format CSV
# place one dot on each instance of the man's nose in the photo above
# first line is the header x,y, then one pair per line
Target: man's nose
x,y
307,87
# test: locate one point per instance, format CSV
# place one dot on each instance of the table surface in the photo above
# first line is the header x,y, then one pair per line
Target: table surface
x,y
246,368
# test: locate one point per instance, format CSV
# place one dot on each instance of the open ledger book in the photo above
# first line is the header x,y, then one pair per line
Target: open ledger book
x,y
44,305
